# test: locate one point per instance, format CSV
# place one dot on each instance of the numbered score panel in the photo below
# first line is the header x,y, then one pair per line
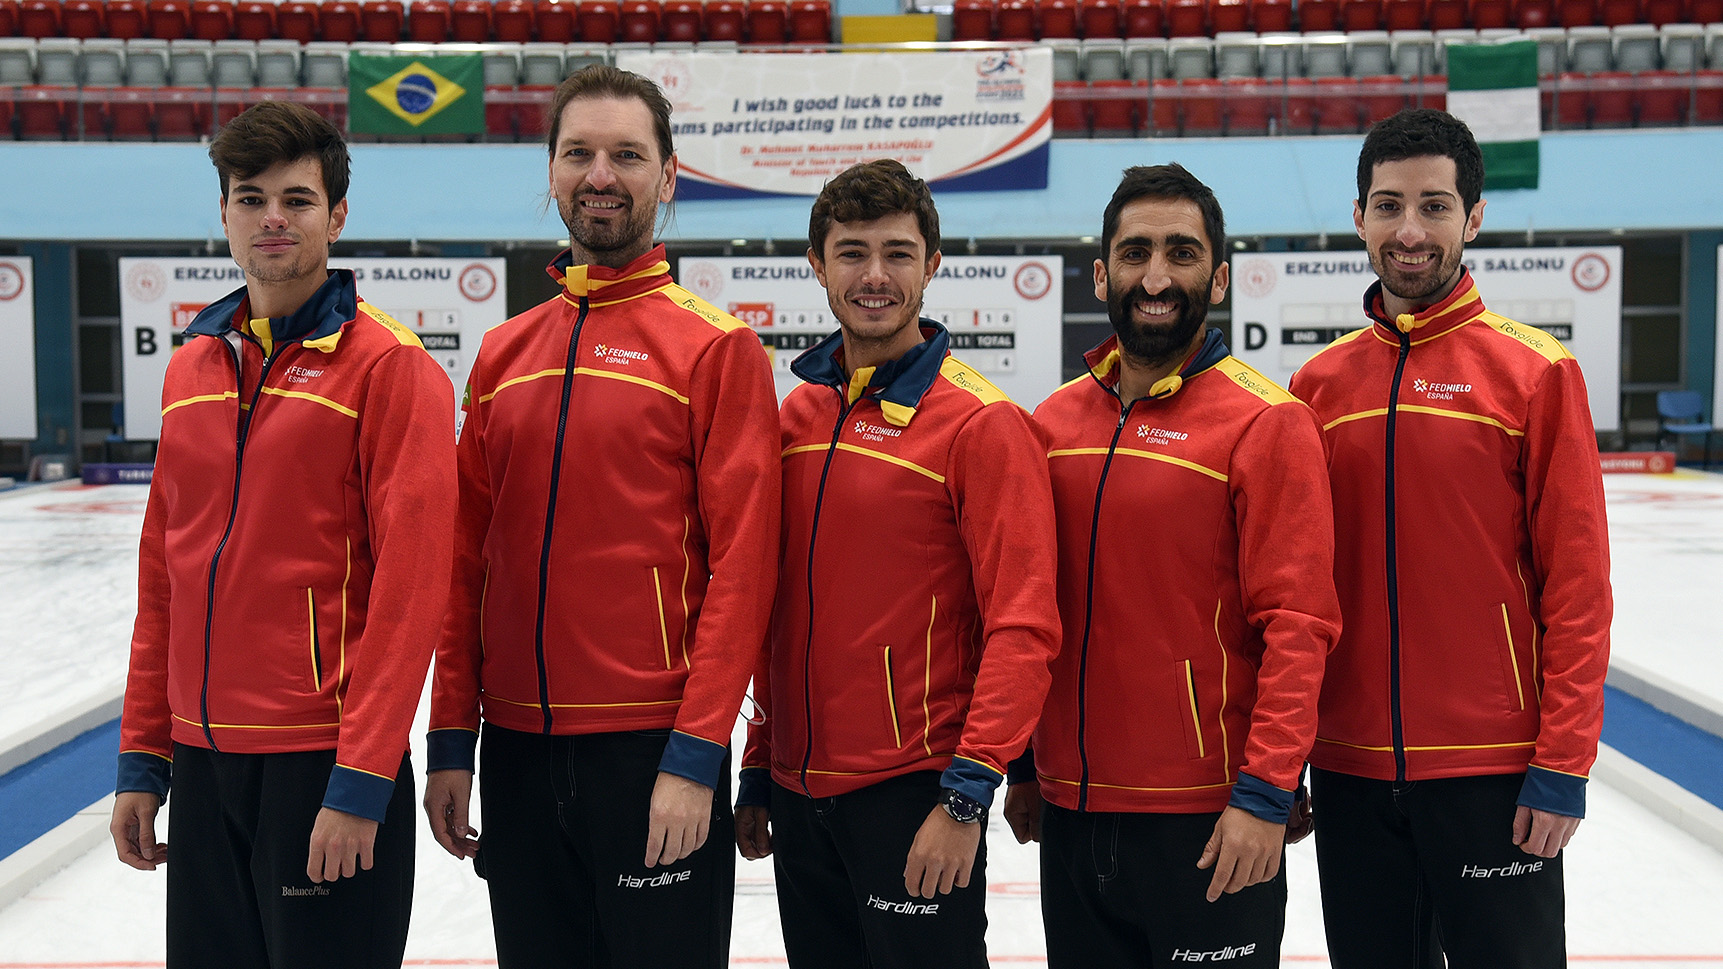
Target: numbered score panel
x,y
449,303
1003,312
17,349
1288,306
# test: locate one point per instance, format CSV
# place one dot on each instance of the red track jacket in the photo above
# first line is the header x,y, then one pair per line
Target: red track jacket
x,y
618,526
294,563
1195,590
915,617
1474,568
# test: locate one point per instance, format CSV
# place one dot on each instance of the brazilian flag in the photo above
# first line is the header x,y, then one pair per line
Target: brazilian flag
x,y
415,95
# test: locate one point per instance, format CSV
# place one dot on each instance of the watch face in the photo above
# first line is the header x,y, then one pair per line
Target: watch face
x,y
963,809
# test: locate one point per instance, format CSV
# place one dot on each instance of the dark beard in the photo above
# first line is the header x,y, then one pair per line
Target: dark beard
x,y
1157,346
598,240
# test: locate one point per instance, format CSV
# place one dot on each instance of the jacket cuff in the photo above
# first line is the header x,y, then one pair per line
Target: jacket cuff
x,y
451,748
754,787
972,779
1261,799
1553,791
686,755
1021,770
144,771
359,793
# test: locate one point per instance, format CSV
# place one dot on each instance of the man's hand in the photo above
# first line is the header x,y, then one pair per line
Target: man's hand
x,y
134,830
1302,821
942,856
1023,811
1537,832
679,820
1244,850
754,831
447,796
340,845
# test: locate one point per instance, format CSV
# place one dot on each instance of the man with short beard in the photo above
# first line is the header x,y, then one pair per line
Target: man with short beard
x,y
615,554
1463,702
1197,601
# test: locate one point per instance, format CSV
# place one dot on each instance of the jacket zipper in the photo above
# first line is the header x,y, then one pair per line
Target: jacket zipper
x,y
241,433
1089,611
808,647
1393,568
550,513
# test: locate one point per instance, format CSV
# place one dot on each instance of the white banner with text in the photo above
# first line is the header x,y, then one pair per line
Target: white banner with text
x,y
17,348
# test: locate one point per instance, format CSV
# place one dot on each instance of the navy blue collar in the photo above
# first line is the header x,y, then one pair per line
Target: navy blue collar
x,y
901,382
335,303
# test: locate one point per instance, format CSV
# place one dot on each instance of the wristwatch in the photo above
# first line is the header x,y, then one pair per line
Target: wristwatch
x,y
962,808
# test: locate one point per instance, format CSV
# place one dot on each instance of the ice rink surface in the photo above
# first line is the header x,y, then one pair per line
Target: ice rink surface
x,y
1641,892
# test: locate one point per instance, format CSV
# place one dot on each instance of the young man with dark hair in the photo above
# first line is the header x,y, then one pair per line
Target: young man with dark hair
x,y
1197,598
616,548
1462,705
915,618
293,574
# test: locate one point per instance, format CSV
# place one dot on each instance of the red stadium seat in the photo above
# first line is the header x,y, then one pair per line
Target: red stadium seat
x,y
42,112
339,21
1660,12
971,20
8,28
1612,98
1338,111
554,21
1318,15
499,113
380,21
39,19
639,21
1527,13
532,118
1187,18
1015,20
470,21
1615,13
1070,109
1381,96
1432,93
1484,14
127,19
169,19
1662,99
768,21
1298,113
1250,102
254,20
810,21
1454,14
1705,11
683,21
1412,14
1229,16
1576,13
1116,114
428,21
1708,98
595,21
1360,14
1162,120
1102,20
1145,18
215,20
182,113
726,20
82,19
1203,114
131,113
1271,16
1058,18
297,20
511,21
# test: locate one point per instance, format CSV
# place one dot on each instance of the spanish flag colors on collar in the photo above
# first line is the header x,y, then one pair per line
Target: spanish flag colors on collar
x,y
643,275
1460,305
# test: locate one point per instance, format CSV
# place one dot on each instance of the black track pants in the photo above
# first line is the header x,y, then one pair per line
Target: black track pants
x,y
1124,890
839,865
1415,871
238,895
563,850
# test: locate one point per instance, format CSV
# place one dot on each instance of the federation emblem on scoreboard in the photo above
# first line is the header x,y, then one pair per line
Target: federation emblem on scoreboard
x,y
146,282
1256,277
1032,280
11,281
478,283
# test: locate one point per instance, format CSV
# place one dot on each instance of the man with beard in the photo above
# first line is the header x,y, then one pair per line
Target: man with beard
x,y
286,615
915,615
1463,702
614,555
1198,607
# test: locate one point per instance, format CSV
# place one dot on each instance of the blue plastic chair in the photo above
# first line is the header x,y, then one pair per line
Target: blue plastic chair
x,y
1678,413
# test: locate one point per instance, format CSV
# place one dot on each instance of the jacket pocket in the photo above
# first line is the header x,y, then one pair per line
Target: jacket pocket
x,y
663,621
311,637
1190,713
1512,678
891,699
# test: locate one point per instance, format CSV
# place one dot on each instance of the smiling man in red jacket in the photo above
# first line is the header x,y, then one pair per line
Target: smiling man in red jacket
x,y
614,561
1197,598
915,616
1463,703
292,574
